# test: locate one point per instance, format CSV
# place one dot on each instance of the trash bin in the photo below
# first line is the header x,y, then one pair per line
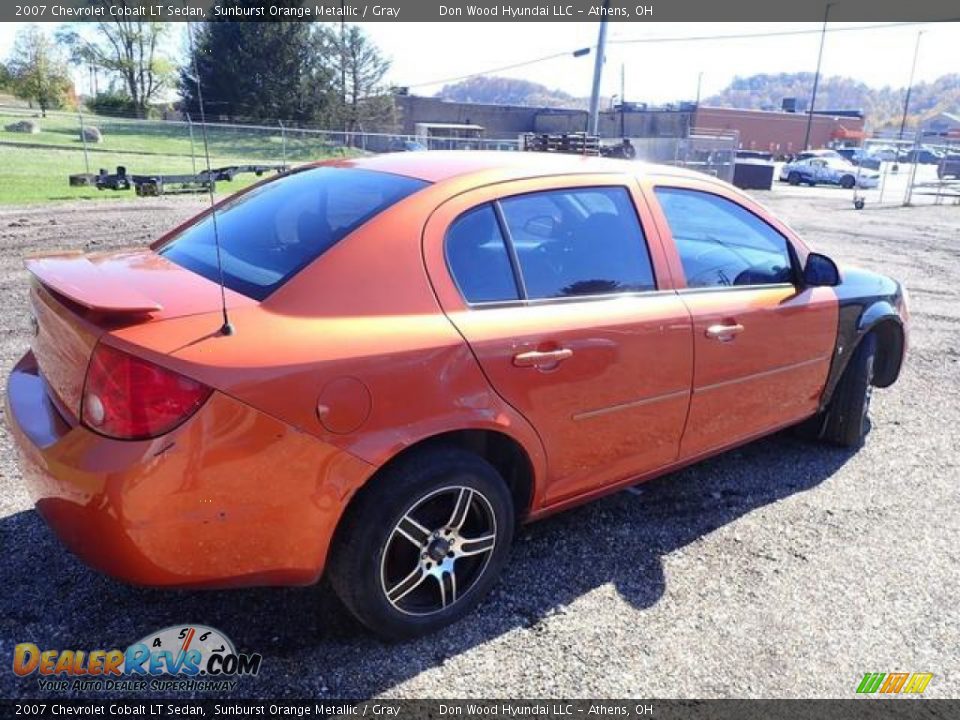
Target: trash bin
x,y
753,174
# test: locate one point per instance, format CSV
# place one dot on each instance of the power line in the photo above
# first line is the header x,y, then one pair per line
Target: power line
x,y
673,39
773,33
554,56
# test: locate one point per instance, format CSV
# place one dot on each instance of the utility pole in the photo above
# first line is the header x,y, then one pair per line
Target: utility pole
x,y
906,100
699,81
343,62
816,77
597,72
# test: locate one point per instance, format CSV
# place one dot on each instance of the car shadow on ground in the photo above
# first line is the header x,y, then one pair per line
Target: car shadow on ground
x,y
312,647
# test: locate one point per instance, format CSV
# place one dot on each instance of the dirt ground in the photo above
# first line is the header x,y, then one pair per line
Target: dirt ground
x,y
782,569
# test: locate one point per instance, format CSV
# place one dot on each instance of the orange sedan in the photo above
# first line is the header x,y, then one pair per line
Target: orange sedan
x,y
377,367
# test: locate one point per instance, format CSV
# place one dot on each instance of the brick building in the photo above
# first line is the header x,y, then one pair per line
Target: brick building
x,y
778,132
781,132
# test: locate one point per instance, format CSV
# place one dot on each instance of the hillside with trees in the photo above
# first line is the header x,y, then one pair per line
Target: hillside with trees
x,y
509,91
881,106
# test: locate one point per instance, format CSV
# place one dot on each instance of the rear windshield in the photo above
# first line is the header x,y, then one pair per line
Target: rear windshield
x,y
269,234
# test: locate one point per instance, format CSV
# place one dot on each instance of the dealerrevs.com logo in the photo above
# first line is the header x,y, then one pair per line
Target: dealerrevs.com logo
x,y
894,683
181,657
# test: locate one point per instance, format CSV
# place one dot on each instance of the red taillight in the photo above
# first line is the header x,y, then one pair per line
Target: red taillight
x,y
130,398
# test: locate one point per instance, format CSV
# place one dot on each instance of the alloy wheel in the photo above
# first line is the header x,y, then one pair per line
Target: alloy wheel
x,y
438,550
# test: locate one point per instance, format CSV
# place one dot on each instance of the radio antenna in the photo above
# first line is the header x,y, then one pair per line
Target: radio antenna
x,y
227,327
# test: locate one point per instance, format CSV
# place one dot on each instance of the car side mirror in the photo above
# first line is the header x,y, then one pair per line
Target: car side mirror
x,y
820,271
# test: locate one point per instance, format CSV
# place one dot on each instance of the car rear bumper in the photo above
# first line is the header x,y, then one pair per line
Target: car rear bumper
x,y
230,498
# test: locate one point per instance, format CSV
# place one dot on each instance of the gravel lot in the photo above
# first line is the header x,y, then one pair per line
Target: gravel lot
x,y
782,569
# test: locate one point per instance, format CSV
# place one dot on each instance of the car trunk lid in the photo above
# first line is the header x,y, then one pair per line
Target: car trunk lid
x,y
77,298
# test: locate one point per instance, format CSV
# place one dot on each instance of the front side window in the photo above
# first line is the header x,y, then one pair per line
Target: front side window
x,y
721,243
272,232
580,241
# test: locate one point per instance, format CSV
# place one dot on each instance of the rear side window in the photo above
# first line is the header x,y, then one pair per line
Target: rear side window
x,y
581,241
478,259
721,243
269,234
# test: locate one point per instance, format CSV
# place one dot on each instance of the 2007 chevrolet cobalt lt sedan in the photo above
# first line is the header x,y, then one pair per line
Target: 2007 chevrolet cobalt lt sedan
x,y
423,349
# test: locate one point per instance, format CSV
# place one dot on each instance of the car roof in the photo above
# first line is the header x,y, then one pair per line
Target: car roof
x,y
494,166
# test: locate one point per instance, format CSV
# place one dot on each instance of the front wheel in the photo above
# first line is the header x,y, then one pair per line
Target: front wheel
x,y
847,182
846,420
793,178
423,544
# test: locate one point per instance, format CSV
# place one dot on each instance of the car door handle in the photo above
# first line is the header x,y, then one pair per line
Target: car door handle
x,y
724,333
541,358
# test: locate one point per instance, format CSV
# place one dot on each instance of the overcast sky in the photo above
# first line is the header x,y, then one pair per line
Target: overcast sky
x,y
425,53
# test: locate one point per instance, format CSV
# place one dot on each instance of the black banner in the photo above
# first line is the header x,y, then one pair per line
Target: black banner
x,y
865,709
477,10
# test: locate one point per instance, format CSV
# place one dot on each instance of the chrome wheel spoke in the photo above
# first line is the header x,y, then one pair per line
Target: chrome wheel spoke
x,y
410,583
477,546
413,531
440,548
462,507
448,588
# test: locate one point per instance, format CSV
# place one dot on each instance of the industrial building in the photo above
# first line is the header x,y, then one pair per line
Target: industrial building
x,y
779,132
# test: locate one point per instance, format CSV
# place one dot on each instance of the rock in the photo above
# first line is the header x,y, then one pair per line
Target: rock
x,y
24,126
92,134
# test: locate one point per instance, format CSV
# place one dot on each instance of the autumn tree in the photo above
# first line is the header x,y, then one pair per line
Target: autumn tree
x,y
37,73
133,50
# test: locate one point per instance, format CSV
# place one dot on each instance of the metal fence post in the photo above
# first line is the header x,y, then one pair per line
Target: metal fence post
x,y
908,195
83,139
193,155
283,140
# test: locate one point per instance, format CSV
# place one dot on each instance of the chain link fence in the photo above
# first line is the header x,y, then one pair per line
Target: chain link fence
x,y
921,170
88,144
184,139
711,152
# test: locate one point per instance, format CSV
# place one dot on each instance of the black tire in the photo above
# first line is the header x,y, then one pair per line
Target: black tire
x,y
367,547
793,178
847,416
847,182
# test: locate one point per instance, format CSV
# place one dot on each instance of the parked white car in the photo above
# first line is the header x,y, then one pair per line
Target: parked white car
x,y
828,171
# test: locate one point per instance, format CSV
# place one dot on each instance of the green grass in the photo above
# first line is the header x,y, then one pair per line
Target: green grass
x,y
168,138
34,168
39,175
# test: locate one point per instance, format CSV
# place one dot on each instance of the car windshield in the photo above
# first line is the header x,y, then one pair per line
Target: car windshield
x,y
272,232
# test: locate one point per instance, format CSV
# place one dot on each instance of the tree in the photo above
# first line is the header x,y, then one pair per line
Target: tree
x,y
259,71
4,77
359,71
37,72
132,49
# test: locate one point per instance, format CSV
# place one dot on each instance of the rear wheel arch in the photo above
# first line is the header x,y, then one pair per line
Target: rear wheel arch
x,y
504,452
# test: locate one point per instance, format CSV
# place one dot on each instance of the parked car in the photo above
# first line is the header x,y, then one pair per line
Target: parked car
x,y
949,166
414,353
828,171
884,153
858,156
922,155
